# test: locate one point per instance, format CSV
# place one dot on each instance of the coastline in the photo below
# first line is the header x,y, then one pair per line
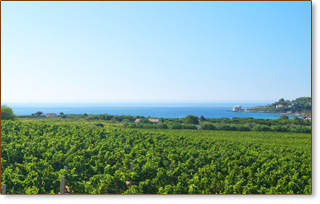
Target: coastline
x,y
289,113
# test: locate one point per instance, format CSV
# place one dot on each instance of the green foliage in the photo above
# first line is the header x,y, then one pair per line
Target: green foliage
x,y
191,119
38,113
228,127
176,126
7,113
162,126
165,161
208,126
301,105
235,124
188,126
284,117
99,125
145,120
280,128
261,128
243,128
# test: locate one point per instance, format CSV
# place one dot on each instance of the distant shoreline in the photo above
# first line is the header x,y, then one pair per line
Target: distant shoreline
x,y
289,113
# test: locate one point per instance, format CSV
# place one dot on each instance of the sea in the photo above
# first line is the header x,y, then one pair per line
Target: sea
x,y
166,110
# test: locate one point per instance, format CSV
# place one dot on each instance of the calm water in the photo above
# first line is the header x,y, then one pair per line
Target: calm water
x,y
167,110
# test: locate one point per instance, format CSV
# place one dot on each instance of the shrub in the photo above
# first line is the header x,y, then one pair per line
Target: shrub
x,y
302,130
7,113
284,117
188,126
99,125
280,128
243,128
228,127
176,126
259,128
191,119
162,126
131,125
208,126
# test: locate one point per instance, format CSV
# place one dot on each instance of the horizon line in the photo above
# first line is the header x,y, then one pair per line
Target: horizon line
x,y
139,101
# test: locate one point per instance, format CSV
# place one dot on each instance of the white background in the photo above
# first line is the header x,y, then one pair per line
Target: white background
x,y
247,199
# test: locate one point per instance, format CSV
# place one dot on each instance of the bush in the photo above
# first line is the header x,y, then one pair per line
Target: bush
x,y
243,128
208,126
92,118
191,119
188,126
130,125
280,128
7,113
259,128
303,130
99,125
176,126
284,117
162,126
228,127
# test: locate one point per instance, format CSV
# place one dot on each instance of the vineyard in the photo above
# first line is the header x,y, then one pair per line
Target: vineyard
x,y
99,157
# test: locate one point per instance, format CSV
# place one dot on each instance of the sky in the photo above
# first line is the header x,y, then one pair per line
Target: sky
x,y
155,51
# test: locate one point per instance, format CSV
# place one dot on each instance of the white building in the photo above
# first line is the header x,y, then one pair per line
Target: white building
x,y
51,115
150,120
236,108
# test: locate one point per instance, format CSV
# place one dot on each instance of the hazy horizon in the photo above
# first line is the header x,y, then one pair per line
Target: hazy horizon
x,y
133,101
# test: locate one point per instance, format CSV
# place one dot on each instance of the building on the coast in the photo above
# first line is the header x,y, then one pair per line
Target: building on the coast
x,y
150,120
137,120
51,115
287,100
236,108
279,106
154,120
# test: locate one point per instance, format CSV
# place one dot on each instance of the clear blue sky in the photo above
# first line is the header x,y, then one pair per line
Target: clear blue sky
x,y
155,51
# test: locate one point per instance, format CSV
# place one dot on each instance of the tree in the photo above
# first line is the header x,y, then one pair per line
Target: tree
x,y
162,126
144,120
296,119
7,113
208,126
259,128
191,119
61,113
202,118
176,126
38,113
284,117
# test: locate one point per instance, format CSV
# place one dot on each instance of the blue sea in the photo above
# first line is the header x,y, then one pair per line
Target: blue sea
x,y
167,110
